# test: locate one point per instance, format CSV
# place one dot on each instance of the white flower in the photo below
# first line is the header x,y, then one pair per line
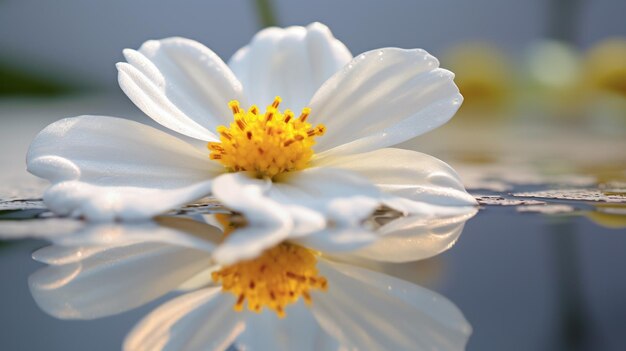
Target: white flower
x,y
272,166
111,268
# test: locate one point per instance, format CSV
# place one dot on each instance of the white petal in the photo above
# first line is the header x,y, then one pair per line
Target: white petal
x,y
243,193
202,320
279,209
291,62
408,239
338,240
107,203
116,152
368,310
248,195
381,98
181,84
297,331
105,168
114,280
408,174
341,196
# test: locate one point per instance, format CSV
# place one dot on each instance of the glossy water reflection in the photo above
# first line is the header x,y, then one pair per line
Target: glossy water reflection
x,y
107,269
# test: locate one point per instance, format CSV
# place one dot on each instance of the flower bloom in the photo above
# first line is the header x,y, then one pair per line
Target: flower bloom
x,y
297,295
605,70
294,130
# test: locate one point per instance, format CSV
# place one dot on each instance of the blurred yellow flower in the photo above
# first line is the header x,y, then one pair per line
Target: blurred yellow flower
x,y
604,79
483,75
605,67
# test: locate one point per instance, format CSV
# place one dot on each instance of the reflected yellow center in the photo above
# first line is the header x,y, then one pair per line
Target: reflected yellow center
x,y
274,280
266,144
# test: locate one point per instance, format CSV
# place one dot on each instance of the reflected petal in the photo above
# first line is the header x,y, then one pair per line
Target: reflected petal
x,y
337,240
38,228
202,320
114,280
368,310
415,238
249,242
95,238
64,255
199,281
298,331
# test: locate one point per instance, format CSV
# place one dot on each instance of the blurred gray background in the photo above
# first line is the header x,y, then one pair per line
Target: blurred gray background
x,y
79,40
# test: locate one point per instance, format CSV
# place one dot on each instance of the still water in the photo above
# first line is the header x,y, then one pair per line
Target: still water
x,y
523,280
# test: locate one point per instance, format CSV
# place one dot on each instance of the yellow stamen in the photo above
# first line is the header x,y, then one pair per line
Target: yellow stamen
x,y
266,144
274,280
305,113
254,110
234,106
277,101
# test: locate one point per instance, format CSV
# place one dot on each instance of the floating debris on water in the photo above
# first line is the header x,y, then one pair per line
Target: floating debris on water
x,y
546,209
497,200
596,195
9,205
205,206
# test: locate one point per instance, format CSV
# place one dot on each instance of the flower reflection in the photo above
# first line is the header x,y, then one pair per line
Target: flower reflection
x,y
612,216
111,268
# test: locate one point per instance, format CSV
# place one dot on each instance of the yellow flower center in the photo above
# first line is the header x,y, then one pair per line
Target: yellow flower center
x,y
274,280
267,144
